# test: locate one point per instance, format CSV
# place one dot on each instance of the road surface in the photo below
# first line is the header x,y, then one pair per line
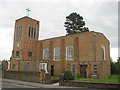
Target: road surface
x,y
21,85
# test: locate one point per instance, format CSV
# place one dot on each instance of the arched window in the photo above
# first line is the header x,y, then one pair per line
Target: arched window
x,y
57,53
69,52
46,53
102,52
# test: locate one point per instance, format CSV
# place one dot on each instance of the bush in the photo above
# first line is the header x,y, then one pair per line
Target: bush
x,y
68,76
54,78
78,75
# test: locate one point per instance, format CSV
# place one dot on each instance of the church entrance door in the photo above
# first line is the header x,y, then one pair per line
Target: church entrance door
x,y
52,70
83,71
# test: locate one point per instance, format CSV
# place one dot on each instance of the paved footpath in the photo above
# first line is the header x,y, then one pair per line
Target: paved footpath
x,y
39,85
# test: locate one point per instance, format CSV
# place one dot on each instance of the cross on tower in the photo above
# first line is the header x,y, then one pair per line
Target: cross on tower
x,y
28,10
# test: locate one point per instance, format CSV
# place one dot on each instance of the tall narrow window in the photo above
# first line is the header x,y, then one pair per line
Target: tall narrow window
x,y
103,52
29,31
18,32
46,54
34,32
73,68
57,53
69,52
95,68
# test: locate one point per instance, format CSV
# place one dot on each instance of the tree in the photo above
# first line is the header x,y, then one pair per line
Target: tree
x,y
115,66
4,64
75,24
68,76
118,65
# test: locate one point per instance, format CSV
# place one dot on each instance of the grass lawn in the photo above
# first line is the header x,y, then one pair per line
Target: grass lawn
x,y
110,79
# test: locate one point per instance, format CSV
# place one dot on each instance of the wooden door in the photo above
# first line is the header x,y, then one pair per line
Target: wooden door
x,y
83,71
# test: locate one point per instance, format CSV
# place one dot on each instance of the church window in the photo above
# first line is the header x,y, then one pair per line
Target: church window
x,y
95,68
73,68
17,53
30,54
57,53
34,32
46,54
69,52
29,31
18,32
103,52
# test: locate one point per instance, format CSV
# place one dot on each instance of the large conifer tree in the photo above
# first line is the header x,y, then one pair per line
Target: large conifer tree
x,y
75,24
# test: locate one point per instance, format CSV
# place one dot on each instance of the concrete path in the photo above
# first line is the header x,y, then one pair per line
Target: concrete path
x,y
37,85
23,84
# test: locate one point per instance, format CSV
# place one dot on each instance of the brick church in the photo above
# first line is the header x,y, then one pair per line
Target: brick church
x,y
86,53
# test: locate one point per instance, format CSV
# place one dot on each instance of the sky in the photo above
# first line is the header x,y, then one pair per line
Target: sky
x,y
99,15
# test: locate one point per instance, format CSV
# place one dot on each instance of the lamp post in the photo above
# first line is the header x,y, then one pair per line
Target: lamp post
x,y
28,65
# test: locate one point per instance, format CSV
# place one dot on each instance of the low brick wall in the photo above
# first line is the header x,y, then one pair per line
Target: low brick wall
x,y
19,75
90,84
28,76
47,79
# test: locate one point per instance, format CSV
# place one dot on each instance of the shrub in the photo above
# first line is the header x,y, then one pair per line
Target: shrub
x,y
78,75
54,78
68,76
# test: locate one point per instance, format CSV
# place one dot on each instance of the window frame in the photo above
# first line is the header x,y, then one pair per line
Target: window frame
x,y
95,68
103,55
71,56
17,53
46,56
18,33
30,54
56,53
73,68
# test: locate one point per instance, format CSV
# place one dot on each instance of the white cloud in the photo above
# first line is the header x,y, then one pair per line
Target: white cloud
x,y
99,16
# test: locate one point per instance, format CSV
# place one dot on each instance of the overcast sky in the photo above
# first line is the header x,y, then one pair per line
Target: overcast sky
x,y
99,16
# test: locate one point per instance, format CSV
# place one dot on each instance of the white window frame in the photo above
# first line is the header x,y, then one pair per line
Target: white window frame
x,y
71,56
103,47
46,56
56,53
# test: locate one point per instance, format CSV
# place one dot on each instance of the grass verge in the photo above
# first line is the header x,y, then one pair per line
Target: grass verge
x,y
110,79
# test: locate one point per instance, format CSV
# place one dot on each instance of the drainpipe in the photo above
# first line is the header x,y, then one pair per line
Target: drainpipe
x,y
94,46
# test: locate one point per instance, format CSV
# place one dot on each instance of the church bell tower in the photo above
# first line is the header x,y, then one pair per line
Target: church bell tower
x,y
26,33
